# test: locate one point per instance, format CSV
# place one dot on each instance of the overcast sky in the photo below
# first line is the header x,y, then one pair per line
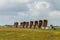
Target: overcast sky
x,y
26,10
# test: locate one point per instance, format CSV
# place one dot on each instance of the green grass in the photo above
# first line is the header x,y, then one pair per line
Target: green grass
x,y
28,34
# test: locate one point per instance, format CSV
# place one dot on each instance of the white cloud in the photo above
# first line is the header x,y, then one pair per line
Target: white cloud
x,y
3,2
22,1
42,5
54,14
34,13
19,1
12,2
4,17
9,20
22,14
36,7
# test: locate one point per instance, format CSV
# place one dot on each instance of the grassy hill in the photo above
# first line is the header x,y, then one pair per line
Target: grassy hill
x,y
28,34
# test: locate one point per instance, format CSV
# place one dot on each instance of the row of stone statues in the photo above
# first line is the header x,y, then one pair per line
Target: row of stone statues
x,y
39,24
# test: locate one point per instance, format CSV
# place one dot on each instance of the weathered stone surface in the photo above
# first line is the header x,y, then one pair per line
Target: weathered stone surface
x,y
31,24
27,24
16,24
24,23
40,23
21,24
45,22
35,24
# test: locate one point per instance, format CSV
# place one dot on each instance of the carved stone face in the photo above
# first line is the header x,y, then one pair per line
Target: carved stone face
x,y
27,24
31,24
36,22
24,23
40,23
45,23
16,24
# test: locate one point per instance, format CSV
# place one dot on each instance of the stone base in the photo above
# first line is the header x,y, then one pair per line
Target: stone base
x,y
45,27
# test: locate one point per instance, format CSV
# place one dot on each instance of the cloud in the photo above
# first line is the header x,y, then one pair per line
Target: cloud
x,y
42,5
22,1
8,20
13,5
54,14
22,14
37,7
3,3
13,1
34,13
5,19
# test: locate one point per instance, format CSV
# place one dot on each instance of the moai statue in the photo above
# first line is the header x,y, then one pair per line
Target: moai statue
x,y
36,24
24,23
21,24
40,24
45,22
27,24
16,24
31,24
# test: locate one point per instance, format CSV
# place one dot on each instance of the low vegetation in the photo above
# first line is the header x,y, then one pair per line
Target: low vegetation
x,y
28,34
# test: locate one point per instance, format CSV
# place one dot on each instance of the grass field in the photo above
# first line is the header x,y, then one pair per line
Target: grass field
x,y
28,34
